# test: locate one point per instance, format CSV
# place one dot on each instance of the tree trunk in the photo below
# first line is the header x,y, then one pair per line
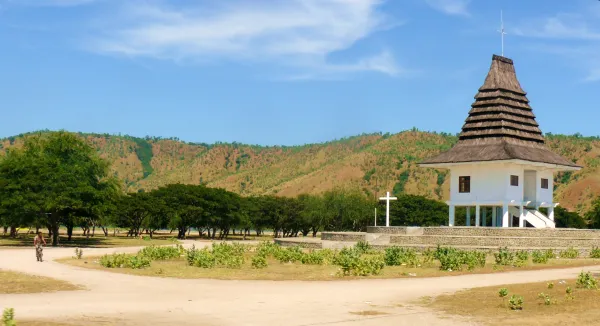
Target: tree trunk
x,y
94,230
151,233
13,231
55,226
105,231
69,231
5,229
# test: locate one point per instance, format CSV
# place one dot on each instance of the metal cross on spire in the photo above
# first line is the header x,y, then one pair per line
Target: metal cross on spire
x,y
502,33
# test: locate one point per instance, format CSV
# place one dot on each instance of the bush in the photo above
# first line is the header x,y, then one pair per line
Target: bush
x,y
504,257
114,261
362,247
473,259
203,258
570,253
587,281
522,257
78,253
259,261
289,255
549,254
454,259
138,262
397,256
503,292
595,253
428,256
370,265
267,248
228,255
539,257
8,317
124,261
515,302
162,253
546,297
313,257
550,285
347,259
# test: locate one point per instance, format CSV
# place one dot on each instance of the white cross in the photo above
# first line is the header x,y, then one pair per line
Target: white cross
x,y
501,31
387,198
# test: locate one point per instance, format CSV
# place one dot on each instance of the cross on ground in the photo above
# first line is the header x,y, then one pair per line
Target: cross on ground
x,y
387,199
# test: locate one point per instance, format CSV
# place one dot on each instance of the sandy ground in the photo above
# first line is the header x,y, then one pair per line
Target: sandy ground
x,y
137,300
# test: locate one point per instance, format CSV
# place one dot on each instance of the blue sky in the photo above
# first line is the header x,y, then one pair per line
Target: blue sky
x,y
287,72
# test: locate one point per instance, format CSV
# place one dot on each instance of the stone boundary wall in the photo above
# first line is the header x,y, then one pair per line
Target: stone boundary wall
x,y
490,241
293,242
387,230
344,236
512,232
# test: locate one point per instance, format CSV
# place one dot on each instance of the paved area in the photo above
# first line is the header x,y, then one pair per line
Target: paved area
x,y
139,300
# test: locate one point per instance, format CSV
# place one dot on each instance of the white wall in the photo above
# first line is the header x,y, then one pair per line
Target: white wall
x,y
490,182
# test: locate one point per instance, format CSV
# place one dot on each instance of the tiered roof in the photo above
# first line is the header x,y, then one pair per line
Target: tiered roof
x,y
501,124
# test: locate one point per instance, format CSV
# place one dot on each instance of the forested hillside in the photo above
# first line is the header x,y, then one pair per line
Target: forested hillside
x,y
372,163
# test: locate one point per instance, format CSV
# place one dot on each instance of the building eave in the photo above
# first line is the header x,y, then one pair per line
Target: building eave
x,y
556,167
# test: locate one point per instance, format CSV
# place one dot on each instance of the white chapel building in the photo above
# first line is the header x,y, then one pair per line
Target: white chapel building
x,y
500,167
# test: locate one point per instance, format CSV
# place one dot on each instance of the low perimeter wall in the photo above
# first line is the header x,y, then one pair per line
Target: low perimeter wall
x,y
487,232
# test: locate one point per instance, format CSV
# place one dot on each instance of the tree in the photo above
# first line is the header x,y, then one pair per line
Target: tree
x,y
411,210
51,176
565,219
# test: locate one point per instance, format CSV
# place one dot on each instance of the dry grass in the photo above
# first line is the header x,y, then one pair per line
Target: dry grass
x,y
13,283
485,306
277,271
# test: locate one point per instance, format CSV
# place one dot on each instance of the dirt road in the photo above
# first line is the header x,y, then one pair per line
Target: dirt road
x,y
136,300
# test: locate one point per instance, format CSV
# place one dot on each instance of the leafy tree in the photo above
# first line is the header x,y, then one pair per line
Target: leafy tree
x,y
565,219
52,176
411,210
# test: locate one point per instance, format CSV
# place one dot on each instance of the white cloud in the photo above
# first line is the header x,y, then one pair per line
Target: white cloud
x,y
295,33
450,7
560,26
58,3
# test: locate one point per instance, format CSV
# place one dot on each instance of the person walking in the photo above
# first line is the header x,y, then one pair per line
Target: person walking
x,y
38,243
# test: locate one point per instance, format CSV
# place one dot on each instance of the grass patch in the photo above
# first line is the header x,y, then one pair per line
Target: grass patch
x,y
369,313
178,268
98,241
14,282
484,304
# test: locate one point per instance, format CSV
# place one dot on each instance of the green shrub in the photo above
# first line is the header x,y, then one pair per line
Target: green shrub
x,y
347,259
570,253
228,255
522,257
587,281
453,259
289,255
515,302
162,253
595,253
203,258
569,293
114,260
314,257
259,261
78,253
428,256
549,254
363,247
551,285
503,292
539,257
8,317
328,255
268,248
138,262
546,297
473,259
397,256
370,265
504,257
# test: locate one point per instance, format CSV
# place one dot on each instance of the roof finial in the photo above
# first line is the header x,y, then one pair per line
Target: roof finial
x,y
502,33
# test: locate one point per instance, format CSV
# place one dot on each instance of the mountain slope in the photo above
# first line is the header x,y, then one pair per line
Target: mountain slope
x,y
374,163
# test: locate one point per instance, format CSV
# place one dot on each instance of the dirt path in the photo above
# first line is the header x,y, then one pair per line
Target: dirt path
x,y
138,300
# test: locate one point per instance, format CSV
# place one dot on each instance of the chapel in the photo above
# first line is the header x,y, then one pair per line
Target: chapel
x,y
501,167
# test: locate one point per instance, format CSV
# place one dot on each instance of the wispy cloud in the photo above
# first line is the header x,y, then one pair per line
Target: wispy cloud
x,y
294,33
450,7
574,36
43,3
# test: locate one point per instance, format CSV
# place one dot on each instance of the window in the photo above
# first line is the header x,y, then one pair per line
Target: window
x,y
514,180
544,183
464,184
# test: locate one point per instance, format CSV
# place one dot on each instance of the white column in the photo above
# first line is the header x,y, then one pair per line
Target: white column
x,y
477,219
451,215
494,219
521,216
551,212
505,215
484,217
468,215
387,212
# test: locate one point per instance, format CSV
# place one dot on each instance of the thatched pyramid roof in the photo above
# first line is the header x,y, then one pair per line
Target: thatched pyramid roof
x,y
501,124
